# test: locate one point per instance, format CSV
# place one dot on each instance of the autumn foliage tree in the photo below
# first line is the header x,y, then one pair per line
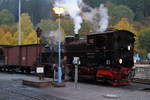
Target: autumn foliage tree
x,y
124,25
28,34
9,34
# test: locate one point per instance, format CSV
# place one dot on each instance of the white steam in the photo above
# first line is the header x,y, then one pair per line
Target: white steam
x,y
103,18
98,16
89,13
73,9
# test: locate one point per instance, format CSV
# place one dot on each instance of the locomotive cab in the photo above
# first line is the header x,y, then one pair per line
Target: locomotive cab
x,y
114,48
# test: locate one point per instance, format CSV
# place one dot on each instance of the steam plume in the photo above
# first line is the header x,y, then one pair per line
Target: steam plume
x,y
74,10
103,18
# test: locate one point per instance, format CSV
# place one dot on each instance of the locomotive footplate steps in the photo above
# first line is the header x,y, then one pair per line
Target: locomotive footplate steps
x,y
37,83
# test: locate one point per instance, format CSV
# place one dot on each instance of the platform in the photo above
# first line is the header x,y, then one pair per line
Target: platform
x,y
35,82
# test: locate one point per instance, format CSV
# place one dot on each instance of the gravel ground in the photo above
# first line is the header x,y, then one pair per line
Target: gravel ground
x,y
11,88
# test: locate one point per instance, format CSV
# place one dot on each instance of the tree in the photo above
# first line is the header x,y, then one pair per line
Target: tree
x,y
28,35
6,28
9,38
143,41
15,38
137,25
119,12
6,38
26,28
3,41
50,29
94,3
31,38
123,24
37,9
55,34
26,24
47,26
86,28
147,21
67,25
7,35
6,17
1,31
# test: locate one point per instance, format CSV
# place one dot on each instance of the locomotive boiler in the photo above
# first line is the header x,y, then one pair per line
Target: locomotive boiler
x,y
106,56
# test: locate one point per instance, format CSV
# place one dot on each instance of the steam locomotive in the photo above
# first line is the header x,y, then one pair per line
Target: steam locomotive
x,y
106,57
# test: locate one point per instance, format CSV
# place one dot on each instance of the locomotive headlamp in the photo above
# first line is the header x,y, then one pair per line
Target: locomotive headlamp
x,y
134,61
129,47
120,61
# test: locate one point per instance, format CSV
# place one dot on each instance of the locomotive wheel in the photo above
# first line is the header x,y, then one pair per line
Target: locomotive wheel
x,y
0,68
22,70
28,71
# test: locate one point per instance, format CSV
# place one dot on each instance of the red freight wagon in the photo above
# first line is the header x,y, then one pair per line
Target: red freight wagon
x,y
24,57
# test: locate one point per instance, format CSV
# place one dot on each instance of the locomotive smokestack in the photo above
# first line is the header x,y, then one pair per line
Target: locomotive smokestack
x,y
76,36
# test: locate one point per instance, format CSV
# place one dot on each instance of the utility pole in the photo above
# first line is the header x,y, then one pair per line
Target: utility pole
x,y
19,24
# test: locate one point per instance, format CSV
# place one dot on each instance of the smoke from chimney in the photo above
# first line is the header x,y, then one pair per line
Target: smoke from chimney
x,y
103,11
73,9
98,16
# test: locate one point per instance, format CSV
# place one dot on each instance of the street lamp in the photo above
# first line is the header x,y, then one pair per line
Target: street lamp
x,y
59,10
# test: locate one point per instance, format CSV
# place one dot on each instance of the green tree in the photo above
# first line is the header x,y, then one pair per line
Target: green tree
x,y
6,17
67,25
47,26
138,8
37,9
52,25
86,28
94,3
144,39
142,43
119,12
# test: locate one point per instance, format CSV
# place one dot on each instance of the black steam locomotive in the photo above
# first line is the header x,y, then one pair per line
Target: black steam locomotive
x,y
106,56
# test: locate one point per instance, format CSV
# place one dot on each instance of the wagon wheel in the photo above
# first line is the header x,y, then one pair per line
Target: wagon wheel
x,y
131,74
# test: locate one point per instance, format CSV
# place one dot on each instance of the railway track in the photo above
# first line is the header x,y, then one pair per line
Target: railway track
x,y
14,90
21,94
27,95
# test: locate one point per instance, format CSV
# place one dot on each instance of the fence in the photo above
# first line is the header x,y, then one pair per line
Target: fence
x,y
142,71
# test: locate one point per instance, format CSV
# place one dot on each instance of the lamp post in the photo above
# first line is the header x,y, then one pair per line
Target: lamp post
x,y
59,10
